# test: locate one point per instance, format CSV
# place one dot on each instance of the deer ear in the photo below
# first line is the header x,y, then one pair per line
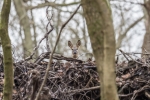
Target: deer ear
x,y
70,44
78,43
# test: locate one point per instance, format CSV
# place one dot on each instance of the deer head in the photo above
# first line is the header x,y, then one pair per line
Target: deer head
x,y
74,48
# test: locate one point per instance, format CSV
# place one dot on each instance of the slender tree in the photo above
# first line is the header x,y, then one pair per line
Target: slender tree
x,y
25,23
6,45
146,43
100,27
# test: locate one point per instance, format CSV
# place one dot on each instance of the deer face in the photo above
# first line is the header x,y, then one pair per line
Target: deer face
x,y
74,48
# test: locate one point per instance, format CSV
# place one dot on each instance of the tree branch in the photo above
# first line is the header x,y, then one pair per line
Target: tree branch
x,y
122,36
50,4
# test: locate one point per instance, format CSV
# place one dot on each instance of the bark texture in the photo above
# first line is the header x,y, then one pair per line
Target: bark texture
x,y
100,27
6,45
146,41
24,21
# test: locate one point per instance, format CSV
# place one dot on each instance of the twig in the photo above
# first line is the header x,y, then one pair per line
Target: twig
x,y
51,55
124,54
139,90
135,60
125,86
125,95
128,2
129,56
85,89
134,53
49,24
51,4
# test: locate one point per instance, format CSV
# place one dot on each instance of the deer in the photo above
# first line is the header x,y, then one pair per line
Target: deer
x,y
74,48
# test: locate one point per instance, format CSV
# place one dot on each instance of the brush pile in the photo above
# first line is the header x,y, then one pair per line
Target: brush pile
x,y
70,80
73,79
133,79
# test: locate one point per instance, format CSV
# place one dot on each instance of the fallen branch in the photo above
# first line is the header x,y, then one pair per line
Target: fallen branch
x,y
85,89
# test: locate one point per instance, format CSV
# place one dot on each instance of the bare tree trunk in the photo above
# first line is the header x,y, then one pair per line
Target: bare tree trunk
x,y
24,21
58,48
34,33
100,27
6,45
146,41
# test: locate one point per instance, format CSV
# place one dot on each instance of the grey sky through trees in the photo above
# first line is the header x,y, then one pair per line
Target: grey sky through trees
x,y
122,11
